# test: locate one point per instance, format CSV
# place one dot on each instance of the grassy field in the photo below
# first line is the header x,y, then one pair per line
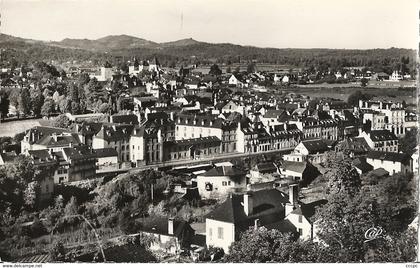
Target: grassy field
x,y
408,95
12,128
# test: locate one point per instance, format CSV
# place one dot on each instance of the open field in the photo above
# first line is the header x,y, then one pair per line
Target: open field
x,y
12,128
407,95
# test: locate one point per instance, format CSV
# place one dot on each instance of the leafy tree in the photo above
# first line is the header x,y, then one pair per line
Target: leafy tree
x,y
25,101
341,176
71,207
215,70
4,105
48,107
37,100
228,70
14,97
409,141
57,251
30,194
354,98
250,68
61,121
364,82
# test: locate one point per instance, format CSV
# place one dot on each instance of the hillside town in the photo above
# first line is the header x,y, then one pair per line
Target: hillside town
x,y
287,134
237,150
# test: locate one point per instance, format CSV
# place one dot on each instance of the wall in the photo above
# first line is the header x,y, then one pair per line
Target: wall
x,y
212,238
219,189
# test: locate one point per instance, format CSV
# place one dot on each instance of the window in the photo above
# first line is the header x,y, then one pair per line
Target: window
x,y
65,171
224,183
220,232
300,231
300,218
47,189
229,183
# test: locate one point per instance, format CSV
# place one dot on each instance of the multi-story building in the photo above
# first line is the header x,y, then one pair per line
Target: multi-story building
x,y
381,140
390,161
115,136
313,128
394,112
190,149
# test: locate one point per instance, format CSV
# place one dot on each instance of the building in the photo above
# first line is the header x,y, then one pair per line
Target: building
x,y
106,159
169,235
415,161
220,181
314,128
392,162
115,136
381,140
239,212
313,150
41,137
191,149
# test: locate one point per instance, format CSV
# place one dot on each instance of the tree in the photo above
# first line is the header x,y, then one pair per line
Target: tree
x,y
409,141
261,245
364,82
4,105
71,207
228,70
341,176
354,98
25,101
250,68
215,70
57,251
61,121
48,107
30,194
37,100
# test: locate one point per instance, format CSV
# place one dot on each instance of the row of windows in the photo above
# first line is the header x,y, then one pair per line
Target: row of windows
x,y
226,183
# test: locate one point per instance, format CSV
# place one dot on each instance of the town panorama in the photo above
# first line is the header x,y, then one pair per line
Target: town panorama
x,y
121,149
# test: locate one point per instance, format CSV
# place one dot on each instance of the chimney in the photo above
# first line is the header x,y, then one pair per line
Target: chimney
x,y
248,204
256,224
293,194
171,226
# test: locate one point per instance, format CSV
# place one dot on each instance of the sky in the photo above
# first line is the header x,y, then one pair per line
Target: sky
x,y
350,24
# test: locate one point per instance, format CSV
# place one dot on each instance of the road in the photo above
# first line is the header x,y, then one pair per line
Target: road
x,y
221,158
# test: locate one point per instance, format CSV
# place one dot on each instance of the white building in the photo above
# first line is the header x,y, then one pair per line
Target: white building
x,y
220,181
390,161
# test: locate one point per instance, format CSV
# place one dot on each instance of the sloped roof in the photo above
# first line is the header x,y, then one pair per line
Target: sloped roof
x,y
159,225
79,152
308,210
389,156
298,167
361,164
268,208
125,119
223,171
316,146
105,152
58,140
382,135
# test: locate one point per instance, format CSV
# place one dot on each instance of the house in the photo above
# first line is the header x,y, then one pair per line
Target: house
x,y
197,148
396,76
239,212
7,158
106,159
314,150
169,235
231,107
115,136
302,219
237,81
41,137
302,172
381,140
361,165
262,170
390,161
353,146
220,181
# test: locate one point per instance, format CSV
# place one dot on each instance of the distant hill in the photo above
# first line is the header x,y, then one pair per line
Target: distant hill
x,y
107,43
118,48
182,42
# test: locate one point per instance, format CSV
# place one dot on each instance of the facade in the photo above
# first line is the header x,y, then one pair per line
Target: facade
x,y
390,161
191,149
220,181
115,136
381,140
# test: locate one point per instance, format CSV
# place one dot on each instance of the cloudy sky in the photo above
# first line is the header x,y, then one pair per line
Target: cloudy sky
x,y
265,23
